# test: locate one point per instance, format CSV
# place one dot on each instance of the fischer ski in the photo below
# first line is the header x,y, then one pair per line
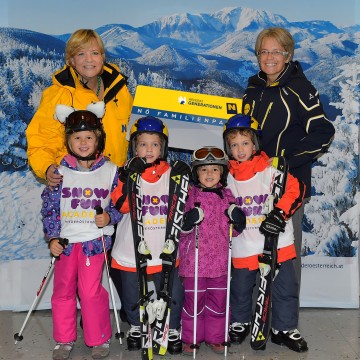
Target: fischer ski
x,y
261,322
142,254
178,191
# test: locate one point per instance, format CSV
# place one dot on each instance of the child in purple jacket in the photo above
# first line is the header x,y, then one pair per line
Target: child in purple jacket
x,y
211,207
68,211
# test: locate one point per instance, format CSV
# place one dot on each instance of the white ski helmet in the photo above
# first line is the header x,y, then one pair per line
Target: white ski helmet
x,y
209,155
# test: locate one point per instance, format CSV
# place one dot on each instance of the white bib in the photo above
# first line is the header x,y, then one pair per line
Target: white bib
x,y
81,192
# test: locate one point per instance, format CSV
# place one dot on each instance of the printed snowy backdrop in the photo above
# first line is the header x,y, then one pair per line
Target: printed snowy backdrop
x,y
207,53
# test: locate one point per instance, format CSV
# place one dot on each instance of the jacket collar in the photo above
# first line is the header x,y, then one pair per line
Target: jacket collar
x,y
71,161
153,173
292,69
246,170
113,80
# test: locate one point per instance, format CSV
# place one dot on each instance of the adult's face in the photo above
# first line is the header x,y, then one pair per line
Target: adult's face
x,y
88,61
272,58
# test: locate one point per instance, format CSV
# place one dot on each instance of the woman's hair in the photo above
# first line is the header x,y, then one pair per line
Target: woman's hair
x,y
283,37
78,40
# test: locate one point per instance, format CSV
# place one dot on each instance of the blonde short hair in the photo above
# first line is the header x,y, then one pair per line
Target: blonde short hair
x,y
281,35
79,39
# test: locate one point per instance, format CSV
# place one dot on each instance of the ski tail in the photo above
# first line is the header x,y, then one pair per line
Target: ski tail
x,y
135,203
178,191
261,322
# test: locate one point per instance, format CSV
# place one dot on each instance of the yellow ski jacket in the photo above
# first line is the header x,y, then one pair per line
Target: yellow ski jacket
x,y
45,135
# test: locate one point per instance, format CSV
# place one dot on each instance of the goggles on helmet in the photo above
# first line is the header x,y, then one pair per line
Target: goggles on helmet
x,y
209,155
205,152
82,120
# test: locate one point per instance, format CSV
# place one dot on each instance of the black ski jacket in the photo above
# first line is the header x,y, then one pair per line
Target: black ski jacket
x,y
292,119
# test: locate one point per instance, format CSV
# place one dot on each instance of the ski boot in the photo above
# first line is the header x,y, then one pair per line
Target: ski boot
x,y
175,343
156,310
62,350
238,332
133,338
292,339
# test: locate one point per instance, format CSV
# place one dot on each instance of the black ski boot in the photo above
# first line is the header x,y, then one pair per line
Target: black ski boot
x,y
292,339
174,343
133,338
238,332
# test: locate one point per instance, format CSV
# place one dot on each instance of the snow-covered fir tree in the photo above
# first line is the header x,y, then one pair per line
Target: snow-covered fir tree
x,y
332,216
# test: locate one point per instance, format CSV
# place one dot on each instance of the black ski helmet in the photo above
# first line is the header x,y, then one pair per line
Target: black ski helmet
x,y
240,121
209,155
149,124
85,120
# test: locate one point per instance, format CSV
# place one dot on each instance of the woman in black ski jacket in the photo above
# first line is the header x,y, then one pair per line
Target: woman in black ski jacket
x,y
289,110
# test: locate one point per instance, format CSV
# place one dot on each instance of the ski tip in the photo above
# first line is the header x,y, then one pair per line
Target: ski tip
x,y
258,346
277,162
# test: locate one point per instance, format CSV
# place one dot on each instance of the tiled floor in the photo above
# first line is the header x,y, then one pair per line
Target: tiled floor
x,y
332,334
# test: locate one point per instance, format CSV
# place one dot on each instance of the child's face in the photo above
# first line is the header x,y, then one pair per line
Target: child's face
x,y
209,175
241,147
83,143
148,146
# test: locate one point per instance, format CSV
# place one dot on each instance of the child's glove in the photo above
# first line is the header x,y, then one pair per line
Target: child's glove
x,y
136,165
237,217
182,167
191,218
274,223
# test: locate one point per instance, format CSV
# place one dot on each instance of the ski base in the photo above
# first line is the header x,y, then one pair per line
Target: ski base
x,y
261,322
178,190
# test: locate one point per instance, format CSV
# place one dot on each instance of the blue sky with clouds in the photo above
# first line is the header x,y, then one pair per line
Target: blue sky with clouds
x,y
65,16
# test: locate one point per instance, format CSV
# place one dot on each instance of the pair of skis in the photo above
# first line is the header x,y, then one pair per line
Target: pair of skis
x,y
261,322
156,340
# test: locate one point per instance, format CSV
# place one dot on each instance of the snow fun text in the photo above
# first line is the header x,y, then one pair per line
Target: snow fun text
x,y
86,198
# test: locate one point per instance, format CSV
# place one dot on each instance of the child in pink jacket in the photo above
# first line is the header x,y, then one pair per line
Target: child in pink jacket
x,y
211,207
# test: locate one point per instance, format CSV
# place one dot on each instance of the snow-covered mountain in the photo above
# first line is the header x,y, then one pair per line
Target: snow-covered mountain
x,y
208,53
228,33
211,53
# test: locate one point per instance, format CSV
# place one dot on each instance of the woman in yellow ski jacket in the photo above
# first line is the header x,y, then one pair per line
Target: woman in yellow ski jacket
x,y
85,78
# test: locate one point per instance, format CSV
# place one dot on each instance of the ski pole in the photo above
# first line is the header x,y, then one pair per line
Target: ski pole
x,y
228,292
119,335
195,346
18,336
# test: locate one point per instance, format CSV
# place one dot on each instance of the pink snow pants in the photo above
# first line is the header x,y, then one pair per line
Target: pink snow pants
x,y
71,277
211,310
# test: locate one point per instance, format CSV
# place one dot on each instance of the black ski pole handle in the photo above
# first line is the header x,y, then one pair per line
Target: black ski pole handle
x,y
63,242
99,210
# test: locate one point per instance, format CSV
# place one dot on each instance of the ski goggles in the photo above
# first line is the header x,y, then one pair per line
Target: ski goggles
x,y
204,152
82,120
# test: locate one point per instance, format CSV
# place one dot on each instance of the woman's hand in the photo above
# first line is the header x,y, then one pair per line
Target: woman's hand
x,y
53,179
